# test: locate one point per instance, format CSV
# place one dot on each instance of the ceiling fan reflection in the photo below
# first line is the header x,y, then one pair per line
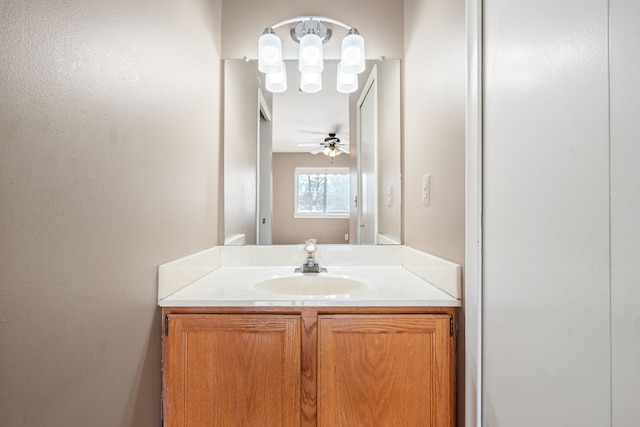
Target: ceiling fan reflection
x,y
331,146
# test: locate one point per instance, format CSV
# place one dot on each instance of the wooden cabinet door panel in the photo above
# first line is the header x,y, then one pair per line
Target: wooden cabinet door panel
x,y
232,370
385,370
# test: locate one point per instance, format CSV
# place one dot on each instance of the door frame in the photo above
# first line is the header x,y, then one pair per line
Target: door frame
x,y
263,111
473,285
372,79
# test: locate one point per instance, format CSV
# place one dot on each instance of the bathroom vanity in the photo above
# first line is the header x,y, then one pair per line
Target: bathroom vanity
x,y
234,354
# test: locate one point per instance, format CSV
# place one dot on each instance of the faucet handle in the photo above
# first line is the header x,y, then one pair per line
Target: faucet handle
x,y
310,247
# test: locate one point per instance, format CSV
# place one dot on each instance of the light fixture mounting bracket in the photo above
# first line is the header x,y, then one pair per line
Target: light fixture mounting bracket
x,y
321,29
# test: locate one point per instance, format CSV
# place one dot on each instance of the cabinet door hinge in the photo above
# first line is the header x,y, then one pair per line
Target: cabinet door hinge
x,y
166,325
450,325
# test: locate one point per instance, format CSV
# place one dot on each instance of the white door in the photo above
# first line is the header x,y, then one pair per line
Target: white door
x,y
367,143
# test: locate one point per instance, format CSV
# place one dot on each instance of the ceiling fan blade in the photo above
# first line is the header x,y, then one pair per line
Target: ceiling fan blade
x,y
317,150
343,149
308,144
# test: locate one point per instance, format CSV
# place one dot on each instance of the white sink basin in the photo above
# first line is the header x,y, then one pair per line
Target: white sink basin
x,y
310,285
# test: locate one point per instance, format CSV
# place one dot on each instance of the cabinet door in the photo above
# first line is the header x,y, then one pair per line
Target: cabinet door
x,y
386,370
231,370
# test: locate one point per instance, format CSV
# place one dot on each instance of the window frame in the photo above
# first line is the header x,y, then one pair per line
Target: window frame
x,y
319,170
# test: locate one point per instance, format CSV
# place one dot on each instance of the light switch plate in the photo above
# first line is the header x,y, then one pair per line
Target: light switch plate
x,y
426,190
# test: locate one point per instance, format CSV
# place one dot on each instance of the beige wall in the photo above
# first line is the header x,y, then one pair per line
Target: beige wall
x,y
109,137
286,228
434,138
434,97
109,155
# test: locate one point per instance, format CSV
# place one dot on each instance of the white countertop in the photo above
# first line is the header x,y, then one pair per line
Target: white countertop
x,y
233,285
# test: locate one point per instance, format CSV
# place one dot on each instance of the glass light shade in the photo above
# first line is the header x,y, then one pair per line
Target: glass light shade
x,y
277,82
311,82
270,53
352,55
347,83
310,54
331,151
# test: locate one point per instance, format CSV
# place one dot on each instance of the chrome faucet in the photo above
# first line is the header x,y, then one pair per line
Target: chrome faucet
x,y
310,264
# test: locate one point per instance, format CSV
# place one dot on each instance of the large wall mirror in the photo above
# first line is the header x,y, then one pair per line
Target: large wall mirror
x,y
282,182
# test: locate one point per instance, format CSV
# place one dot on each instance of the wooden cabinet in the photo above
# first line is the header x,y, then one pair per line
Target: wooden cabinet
x,y
307,367
232,370
384,370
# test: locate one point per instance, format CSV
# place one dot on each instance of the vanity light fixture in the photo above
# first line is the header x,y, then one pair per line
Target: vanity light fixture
x,y
270,48
277,82
310,82
311,33
347,83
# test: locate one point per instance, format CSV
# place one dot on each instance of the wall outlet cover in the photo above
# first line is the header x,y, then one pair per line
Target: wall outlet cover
x,y
426,190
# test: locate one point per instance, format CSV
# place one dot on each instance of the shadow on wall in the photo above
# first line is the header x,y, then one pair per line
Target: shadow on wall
x,y
149,374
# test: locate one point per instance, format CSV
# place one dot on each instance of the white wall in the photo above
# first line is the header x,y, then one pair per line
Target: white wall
x,y
558,287
109,138
625,211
